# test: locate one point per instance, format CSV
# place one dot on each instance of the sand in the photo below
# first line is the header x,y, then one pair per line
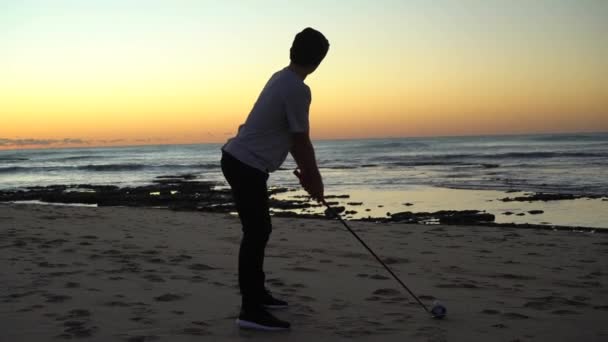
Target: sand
x,y
143,274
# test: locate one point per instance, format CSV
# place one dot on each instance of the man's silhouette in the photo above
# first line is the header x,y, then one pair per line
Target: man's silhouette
x,y
277,124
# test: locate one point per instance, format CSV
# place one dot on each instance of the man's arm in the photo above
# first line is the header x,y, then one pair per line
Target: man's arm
x,y
304,154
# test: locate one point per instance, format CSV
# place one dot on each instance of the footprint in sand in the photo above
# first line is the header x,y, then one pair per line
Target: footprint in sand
x,y
275,282
197,279
72,285
12,296
454,268
32,308
338,306
56,298
490,312
168,297
549,302
77,329
47,264
75,313
386,292
117,303
306,299
513,276
201,267
179,258
156,261
515,315
457,286
564,312
195,332
378,277
302,269
427,297
143,338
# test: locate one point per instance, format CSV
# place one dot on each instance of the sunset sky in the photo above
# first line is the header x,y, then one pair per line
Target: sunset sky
x,y
118,72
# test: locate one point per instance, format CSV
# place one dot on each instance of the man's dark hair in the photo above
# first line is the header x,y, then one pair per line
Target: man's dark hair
x,y
309,48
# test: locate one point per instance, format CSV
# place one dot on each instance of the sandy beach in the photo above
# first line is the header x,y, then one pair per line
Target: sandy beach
x,y
142,274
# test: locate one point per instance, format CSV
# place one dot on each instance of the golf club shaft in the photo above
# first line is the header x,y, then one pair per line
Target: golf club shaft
x,y
334,213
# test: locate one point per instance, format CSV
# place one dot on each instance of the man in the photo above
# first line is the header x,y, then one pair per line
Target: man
x,y
277,124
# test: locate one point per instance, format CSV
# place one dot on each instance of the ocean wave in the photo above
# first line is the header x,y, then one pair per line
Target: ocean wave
x,y
339,167
12,159
524,155
106,168
133,167
84,157
11,169
112,167
470,158
396,144
583,137
426,163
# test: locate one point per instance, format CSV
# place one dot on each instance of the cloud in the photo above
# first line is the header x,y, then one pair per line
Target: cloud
x,y
111,141
5,142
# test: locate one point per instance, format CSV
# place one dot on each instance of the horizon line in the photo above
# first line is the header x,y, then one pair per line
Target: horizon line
x,y
322,139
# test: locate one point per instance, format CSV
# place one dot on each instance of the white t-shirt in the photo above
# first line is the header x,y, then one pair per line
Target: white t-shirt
x,y
264,140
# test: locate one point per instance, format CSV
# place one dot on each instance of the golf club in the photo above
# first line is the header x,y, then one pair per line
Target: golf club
x,y
438,311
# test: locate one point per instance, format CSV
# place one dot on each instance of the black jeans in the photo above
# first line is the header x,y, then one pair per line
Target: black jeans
x,y
250,194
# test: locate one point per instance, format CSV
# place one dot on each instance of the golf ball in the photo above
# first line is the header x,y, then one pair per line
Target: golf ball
x,y
438,310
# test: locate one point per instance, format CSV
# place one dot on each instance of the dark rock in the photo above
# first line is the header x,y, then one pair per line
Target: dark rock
x,y
337,196
201,267
465,217
168,297
407,216
546,197
535,212
337,210
289,204
277,190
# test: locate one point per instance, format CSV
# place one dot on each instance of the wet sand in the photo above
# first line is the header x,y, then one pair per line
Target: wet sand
x,y
138,274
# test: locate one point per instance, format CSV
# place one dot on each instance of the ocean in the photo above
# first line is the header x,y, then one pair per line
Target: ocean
x,y
440,173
